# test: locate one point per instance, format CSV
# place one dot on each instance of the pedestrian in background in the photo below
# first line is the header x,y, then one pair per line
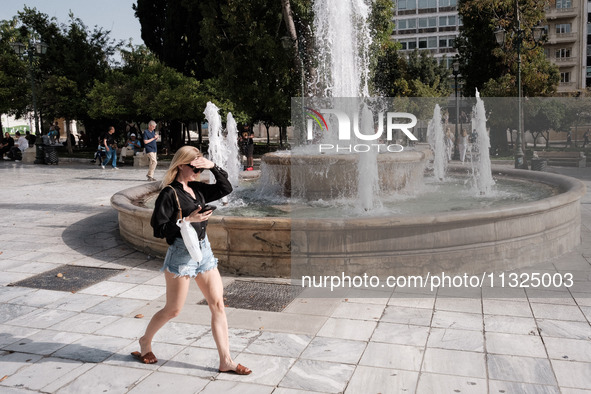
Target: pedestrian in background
x,y
5,145
108,142
150,138
246,142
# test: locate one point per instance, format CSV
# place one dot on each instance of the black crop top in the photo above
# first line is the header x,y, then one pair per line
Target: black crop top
x,y
165,212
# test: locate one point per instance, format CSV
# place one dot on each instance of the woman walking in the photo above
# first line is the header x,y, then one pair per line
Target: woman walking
x,y
181,187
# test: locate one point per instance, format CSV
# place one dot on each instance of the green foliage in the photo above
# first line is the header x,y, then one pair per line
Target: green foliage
x,y
144,89
172,31
234,45
64,75
419,75
494,72
14,79
244,50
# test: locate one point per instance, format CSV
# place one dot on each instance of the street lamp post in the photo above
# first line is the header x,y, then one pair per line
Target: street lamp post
x,y
456,72
29,52
500,35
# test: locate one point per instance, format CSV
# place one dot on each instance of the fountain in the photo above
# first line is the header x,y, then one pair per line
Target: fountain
x,y
482,171
435,139
365,232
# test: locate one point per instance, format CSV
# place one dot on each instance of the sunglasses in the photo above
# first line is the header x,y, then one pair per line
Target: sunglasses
x,y
195,169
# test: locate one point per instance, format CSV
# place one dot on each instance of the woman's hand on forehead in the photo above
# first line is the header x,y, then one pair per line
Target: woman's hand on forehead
x,y
201,162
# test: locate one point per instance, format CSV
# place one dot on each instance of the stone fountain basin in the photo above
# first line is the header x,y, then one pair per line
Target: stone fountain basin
x,y
471,241
329,176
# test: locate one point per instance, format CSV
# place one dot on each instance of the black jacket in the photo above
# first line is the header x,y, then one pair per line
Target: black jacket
x,y
165,212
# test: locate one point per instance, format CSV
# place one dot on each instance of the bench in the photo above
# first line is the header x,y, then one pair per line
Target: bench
x,y
571,159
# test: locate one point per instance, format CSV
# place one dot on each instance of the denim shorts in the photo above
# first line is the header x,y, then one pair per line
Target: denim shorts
x,y
178,261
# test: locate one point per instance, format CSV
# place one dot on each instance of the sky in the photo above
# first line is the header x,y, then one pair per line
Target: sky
x,y
114,15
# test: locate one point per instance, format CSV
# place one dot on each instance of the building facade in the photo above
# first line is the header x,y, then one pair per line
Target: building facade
x,y
567,28
433,25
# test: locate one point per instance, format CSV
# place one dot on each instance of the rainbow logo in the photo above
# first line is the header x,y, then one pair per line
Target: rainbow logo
x,y
317,116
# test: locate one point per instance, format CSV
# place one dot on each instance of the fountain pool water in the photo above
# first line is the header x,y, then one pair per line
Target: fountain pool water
x,y
248,202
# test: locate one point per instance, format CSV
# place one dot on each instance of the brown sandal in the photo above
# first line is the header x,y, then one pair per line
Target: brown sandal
x,y
240,370
148,358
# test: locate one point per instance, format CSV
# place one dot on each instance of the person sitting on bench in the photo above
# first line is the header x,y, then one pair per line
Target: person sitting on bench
x,y
132,147
16,152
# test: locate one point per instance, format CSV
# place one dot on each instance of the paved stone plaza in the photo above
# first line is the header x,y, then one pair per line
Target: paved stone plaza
x,y
507,341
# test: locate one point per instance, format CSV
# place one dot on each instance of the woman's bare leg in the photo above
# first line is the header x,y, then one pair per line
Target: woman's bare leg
x,y
176,294
210,283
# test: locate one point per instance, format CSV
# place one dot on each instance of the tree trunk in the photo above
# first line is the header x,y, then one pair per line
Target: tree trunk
x,y
290,25
164,133
547,138
268,134
68,132
200,134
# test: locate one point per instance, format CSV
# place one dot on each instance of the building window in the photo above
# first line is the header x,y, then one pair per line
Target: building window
x,y
565,77
407,4
432,42
427,22
589,50
563,28
588,28
447,20
588,72
564,4
563,53
408,44
403,24
447,3
427,4
423,43
446,41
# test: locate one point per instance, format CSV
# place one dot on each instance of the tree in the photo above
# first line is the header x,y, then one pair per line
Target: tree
x,y
76,56
542,114
172,31
419,75
14,78
235,46
245,52
144,89
494,72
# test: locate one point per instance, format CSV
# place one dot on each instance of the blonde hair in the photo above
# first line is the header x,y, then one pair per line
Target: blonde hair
x,y
185,155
